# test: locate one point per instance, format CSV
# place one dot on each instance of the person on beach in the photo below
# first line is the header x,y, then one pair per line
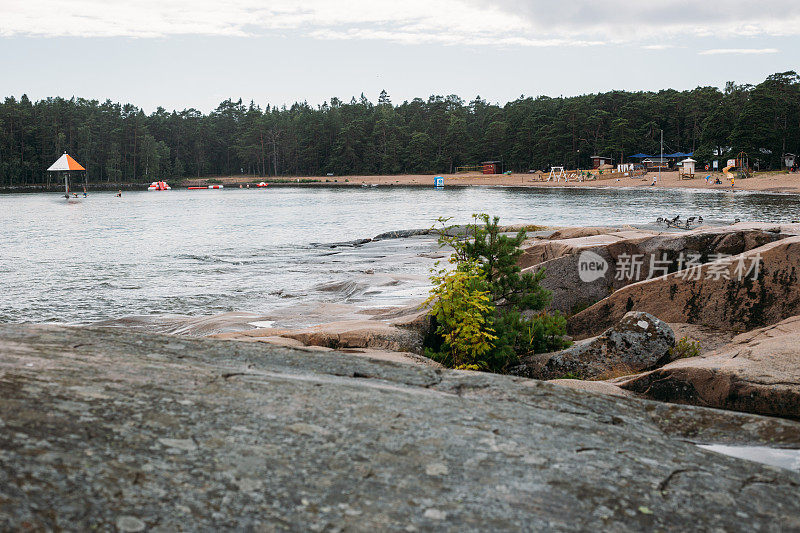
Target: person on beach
x,y
119,193
708,177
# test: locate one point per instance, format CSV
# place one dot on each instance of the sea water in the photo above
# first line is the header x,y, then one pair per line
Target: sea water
x,y
266,251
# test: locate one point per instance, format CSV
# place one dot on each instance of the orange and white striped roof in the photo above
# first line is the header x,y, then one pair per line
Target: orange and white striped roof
x,y
65,162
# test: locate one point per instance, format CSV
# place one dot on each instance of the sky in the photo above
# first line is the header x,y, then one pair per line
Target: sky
x,y
180,54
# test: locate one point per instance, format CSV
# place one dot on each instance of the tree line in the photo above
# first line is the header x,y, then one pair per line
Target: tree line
x,y
120,143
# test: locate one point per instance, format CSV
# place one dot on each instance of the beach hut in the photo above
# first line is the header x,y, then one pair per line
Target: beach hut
x,y
492,167
686,170
655,163
66,165
599,161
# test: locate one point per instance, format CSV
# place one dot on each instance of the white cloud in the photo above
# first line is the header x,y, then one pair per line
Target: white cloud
x,y
624,20
512,23
738,51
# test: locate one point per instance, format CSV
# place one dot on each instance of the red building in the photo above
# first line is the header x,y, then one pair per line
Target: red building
x,y
492,167
599,160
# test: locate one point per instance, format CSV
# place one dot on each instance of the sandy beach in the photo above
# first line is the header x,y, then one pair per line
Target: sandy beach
x,y
778,182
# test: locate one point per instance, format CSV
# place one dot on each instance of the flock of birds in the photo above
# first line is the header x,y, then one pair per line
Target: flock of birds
x,y
678,223
688,223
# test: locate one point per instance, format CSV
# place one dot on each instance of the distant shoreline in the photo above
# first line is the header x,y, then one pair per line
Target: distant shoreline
x,y
777,182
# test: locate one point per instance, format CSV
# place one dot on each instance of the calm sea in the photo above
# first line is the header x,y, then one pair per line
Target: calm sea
x,y
196,253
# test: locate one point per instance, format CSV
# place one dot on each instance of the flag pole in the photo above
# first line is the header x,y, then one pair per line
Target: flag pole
x,y
661,159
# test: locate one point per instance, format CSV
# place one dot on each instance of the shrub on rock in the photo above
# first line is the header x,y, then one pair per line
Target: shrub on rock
x,y
500,307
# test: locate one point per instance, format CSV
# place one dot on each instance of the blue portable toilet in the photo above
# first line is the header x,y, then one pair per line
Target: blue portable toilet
x,y
438,181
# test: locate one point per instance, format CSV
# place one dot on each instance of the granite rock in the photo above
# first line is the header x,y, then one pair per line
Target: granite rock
x,y
758,372
724,294
288,440
638,342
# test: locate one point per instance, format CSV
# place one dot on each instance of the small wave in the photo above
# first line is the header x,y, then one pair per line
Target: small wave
x,y
112,285
263,323
213,259
343,289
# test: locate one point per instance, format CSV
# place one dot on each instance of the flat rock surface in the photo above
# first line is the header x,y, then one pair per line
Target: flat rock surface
x,y
572,240
105,429
602,387
350,334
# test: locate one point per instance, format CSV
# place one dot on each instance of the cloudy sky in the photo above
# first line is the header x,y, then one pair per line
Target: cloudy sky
x,y
195,53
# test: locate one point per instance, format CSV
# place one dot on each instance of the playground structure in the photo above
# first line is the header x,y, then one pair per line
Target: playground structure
x,y
741,164
557,174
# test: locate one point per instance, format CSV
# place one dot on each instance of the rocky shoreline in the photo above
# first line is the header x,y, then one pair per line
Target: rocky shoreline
x,y
691,288
346,425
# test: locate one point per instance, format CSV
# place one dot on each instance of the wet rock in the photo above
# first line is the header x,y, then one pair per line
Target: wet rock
x,y
721,294
402,234
330,441
758,372
638,342
359,334
344,244
451,231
